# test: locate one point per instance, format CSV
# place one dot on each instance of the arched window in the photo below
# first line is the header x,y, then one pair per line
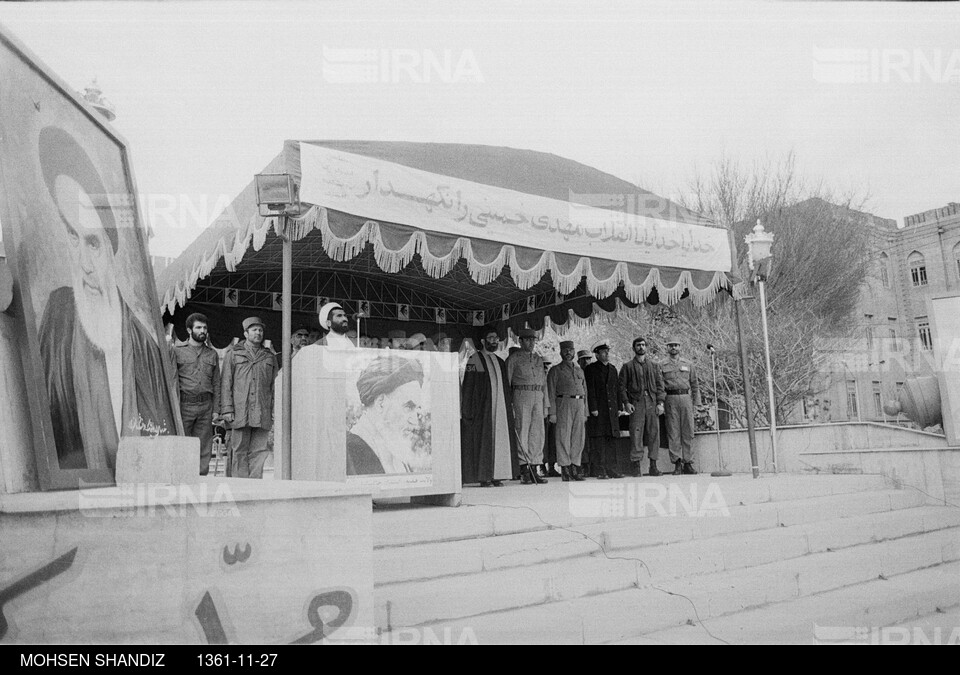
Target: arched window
x,y
956,258
918,268
885,269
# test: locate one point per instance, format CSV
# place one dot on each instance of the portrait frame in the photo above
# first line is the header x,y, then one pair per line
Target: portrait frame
x,y
34,100
324,390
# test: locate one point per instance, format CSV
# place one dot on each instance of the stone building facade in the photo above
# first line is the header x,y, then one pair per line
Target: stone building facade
x,y
893,339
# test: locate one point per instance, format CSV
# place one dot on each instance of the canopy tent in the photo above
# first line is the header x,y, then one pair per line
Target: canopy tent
x,y
449,237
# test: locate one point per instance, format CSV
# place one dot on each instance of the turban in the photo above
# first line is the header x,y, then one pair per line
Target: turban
x,y
325,314
386,373
61,155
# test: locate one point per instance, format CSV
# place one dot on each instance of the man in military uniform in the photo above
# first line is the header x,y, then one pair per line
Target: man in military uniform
x,y
641,387
249,369
605,403
584,358
549,440
567,391
683,395
198,383
530,406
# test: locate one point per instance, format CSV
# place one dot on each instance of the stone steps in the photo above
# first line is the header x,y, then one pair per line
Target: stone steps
x,y
597,562
515,508
843,587
858,614
396,564
697,568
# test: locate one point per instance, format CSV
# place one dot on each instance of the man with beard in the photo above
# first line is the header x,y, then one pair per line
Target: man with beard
x,y
337,324
299,340
641,387
605,403
488,439
249,370
198,383
103,367
381,440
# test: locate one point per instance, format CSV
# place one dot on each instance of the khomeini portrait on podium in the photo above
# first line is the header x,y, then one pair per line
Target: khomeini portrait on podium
x,y
386,435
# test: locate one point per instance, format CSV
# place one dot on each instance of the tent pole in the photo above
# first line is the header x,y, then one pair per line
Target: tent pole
x,y
287,357
744,367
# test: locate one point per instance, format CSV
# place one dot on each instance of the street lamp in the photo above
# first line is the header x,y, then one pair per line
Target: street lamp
x,y
759,255
277,196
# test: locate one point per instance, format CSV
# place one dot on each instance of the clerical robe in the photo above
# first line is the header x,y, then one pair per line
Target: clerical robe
x,y
488,439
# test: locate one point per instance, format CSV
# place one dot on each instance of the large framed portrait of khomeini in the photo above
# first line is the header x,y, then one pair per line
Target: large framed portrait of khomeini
x,y
94,352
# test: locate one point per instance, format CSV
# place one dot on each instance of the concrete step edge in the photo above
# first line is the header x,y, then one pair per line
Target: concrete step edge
x,y
543,525
598,536
381,592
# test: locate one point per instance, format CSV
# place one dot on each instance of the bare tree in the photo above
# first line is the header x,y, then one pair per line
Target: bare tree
x,y
822,252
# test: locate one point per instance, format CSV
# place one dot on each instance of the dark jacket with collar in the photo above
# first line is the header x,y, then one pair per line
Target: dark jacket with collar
x,y
642,382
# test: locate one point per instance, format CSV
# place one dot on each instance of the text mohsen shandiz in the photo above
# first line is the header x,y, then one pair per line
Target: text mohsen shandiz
x,y
68,659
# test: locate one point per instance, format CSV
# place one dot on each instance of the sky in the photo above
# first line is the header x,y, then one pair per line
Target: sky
x,y
866,94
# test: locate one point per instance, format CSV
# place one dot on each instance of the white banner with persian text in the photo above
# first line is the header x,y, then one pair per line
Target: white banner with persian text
x,y
393,193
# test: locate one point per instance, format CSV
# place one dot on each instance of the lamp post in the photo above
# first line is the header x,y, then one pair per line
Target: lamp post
x,y
277,196
759,253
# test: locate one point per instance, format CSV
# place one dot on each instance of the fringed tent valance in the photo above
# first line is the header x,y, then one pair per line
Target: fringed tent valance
x,y
241,232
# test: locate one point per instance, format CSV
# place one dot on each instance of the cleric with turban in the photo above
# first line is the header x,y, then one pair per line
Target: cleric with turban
x,y
381,441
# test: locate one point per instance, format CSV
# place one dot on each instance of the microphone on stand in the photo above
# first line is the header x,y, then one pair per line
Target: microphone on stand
x,y
357,316
720,472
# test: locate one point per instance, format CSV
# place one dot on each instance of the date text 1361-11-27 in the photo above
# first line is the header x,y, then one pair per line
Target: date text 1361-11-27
x,y
214,660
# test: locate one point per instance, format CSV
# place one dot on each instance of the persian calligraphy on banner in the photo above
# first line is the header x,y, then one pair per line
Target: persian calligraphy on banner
x,y
394,193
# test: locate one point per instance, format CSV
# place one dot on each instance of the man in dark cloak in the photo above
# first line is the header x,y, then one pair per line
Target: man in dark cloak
x,y
604,402
488,440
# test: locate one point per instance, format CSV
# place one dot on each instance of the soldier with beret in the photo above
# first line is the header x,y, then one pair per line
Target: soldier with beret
x,y
247,384
683,395
390,389
530,405
567,391
605,402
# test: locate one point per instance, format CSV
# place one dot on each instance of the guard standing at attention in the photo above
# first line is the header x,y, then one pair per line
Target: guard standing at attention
x,y
530,406
567,391
249,370
683,395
